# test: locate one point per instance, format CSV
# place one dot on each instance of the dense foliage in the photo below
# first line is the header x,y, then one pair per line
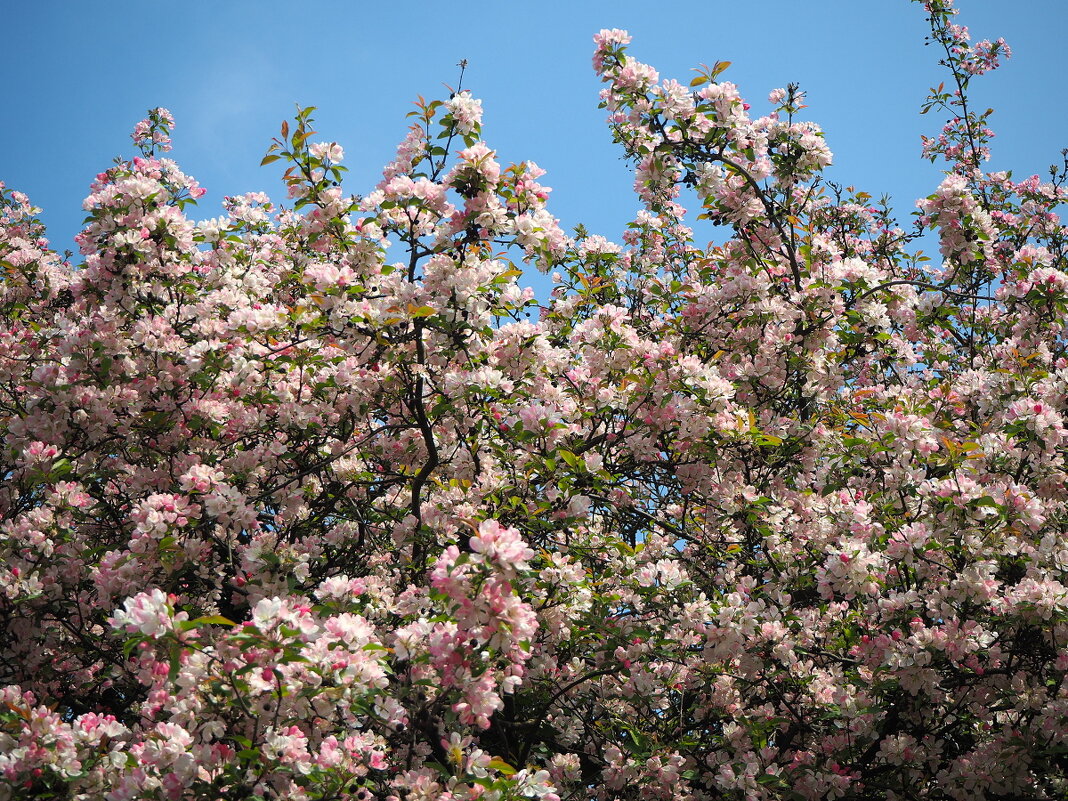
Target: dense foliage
x,y
305,503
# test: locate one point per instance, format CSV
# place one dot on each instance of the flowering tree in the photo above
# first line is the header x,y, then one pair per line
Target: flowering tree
x,y
298,503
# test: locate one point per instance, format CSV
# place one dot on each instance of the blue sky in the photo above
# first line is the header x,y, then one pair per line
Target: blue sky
x,y
79,75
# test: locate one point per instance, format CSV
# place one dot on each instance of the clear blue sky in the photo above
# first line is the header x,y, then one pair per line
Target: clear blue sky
x,y
78,75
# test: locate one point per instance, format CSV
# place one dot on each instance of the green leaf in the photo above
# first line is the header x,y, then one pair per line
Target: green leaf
x,y
571,459
129,646
719,67
206,620
501,766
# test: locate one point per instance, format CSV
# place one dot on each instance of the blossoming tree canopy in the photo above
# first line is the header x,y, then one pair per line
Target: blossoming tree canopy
x,y
300,502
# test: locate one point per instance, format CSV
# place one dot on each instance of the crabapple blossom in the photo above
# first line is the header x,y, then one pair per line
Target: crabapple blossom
x,y
149,613
316,501
466,112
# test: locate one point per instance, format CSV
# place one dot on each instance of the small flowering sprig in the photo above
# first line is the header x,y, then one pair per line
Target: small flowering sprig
x,y
314,168
464,116
154,132
148,616
26,260
964,140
